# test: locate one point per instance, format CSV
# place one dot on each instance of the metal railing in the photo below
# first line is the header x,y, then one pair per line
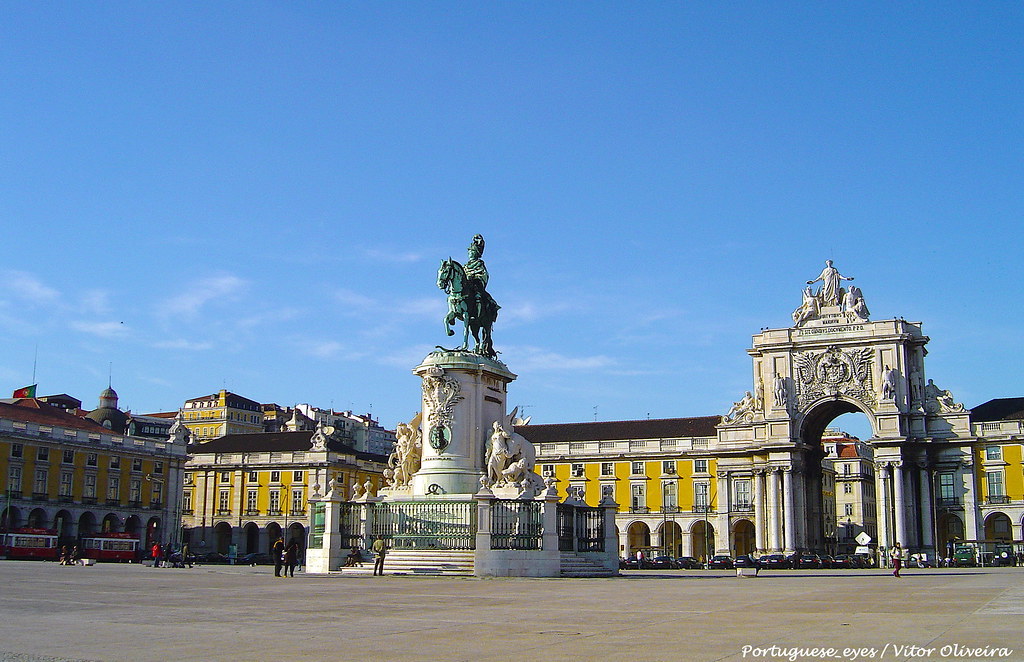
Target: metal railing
x,y
566,527
580,528
425,525
350,527
589,529
997,499
516,524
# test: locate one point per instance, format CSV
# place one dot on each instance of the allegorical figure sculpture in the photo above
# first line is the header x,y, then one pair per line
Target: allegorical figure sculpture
x,y
888,384
940,400
405,460
831,280
781,393
511,458
853,303
808,309
742,411
468,298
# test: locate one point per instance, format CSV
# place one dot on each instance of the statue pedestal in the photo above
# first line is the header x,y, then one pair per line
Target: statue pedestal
x,y
463,394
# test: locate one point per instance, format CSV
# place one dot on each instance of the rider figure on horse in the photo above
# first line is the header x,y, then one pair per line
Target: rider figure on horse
x,y
476,278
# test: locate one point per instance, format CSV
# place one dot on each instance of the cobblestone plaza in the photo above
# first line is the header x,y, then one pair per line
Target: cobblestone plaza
x,y
132,612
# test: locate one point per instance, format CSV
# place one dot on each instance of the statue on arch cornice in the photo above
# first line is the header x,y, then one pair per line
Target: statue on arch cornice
x,y
742,411
831,281
937,400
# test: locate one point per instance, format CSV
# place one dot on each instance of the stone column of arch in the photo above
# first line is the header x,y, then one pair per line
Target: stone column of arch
x,y
775,509
882,503
789,509
724,533
899,504
971,524
800,502
760,541
927,514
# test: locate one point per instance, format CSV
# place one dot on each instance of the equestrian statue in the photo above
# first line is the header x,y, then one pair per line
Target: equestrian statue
x,y
468,299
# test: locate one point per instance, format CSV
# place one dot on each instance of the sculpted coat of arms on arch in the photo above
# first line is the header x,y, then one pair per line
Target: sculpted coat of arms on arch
x,y
835,372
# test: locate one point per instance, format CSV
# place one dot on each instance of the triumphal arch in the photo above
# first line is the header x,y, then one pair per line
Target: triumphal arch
x,y
833,360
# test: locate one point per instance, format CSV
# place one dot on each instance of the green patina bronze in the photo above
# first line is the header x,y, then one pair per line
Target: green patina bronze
x,y
468,299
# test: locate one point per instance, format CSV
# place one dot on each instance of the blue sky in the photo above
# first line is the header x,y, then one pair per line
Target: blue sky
x,y
257,195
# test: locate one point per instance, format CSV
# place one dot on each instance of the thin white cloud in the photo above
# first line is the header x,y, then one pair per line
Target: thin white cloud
x,y
182,344
202,292
24,285
327,349
110,330
96,302
392,256
536,359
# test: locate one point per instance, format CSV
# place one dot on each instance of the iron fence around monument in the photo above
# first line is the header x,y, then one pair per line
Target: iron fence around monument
x,y
580,528
566,527
590,529
516,524
350,528
425,525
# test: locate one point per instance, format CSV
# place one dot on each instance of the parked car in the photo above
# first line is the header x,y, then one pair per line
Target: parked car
x,y
775,562
259,558
826,561
721,562
628,563
214,557
689,563
746,561
661,563
845,561
808,561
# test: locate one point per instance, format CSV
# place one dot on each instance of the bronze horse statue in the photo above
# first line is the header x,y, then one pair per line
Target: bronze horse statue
x,y
470,303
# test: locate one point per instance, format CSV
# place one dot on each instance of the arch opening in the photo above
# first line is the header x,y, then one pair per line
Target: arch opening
x,y
837,489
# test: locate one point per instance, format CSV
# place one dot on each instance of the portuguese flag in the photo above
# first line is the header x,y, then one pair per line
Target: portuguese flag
x,y
26,392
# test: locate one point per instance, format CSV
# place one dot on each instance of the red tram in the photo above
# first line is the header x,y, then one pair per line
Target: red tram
x,y
109,547
27,543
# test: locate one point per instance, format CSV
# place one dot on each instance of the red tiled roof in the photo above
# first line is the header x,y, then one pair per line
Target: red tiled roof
x,y
30,410
661,428
848,450
162,414
275,442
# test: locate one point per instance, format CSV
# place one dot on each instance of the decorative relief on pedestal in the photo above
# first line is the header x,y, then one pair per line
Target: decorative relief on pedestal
x,y
834,372
442,393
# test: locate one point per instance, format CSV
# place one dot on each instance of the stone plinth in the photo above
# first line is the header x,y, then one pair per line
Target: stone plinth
x,y
463,394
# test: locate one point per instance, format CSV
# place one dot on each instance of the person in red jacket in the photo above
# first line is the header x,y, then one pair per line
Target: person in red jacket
x,y
156,555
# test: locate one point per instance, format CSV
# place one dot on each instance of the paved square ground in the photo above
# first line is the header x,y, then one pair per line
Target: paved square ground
x,y
131,612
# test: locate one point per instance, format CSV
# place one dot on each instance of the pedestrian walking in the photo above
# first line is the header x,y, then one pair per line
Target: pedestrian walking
x,y
186,555
291,558
380,548
277,551
897,559
155,550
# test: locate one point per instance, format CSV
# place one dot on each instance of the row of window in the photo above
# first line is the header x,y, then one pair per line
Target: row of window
x,y
41,480
91,459
275,477
251,499
638,468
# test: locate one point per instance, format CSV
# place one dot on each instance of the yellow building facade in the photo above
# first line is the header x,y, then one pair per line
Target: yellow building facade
x,y
67,473
220,414
244,491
